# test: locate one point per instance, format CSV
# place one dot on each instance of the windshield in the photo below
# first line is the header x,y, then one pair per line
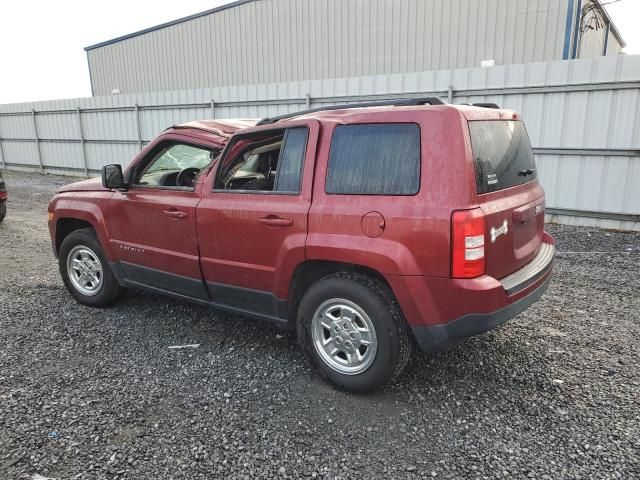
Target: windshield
x,y
179,157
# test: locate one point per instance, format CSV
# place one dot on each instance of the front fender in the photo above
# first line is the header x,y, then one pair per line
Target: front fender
x,y
87,207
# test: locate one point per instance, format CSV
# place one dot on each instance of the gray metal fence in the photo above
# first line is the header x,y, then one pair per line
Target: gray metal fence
x,y
583,117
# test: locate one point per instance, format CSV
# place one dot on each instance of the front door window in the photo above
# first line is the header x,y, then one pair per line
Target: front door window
x,y
174,165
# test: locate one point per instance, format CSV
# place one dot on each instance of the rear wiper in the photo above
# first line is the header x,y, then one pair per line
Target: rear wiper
x,y
526,171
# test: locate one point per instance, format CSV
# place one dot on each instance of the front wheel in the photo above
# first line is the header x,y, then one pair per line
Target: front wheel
x,y
352,329
85,270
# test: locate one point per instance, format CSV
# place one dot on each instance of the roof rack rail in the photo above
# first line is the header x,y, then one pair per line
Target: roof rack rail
x,y
399,102
486,105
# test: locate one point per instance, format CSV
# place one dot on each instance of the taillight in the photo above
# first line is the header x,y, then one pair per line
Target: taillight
x,y
467,247
3,195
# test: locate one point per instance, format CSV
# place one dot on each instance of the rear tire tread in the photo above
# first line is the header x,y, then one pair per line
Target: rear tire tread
x,y
399,329
404,336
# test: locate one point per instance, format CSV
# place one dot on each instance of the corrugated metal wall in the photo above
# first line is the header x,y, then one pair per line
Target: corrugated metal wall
x,y
614,47
583,117
269,41
592,43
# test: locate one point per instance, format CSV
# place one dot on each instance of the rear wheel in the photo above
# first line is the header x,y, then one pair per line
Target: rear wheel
x,y
3,210
352,329
85,270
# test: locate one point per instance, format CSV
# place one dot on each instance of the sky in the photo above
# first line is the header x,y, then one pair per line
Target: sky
x,y
625,15
42,41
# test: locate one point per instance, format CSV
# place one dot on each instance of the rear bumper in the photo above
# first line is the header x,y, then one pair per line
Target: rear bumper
x,y
441,337
443,311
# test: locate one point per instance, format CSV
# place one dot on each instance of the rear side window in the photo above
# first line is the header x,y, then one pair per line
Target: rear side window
x,y
291,160
502,154
374,159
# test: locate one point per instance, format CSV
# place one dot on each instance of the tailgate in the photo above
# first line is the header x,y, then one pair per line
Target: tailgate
x,y
514,229
508,193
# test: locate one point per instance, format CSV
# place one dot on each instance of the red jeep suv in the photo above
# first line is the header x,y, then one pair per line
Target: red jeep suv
x,y
368,228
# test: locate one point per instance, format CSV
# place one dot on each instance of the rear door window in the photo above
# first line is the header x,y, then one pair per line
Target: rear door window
x,y
291,160
267,161
374,159
502,154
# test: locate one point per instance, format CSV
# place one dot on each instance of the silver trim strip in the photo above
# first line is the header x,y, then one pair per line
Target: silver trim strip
x,y
518,279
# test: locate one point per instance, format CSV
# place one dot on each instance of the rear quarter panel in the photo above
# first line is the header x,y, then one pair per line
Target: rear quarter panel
x,y
415,240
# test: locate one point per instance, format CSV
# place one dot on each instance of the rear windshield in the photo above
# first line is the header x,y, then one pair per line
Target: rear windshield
x,y
502,154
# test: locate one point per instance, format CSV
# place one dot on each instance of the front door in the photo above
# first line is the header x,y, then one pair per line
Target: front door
x,y
252,225
152,226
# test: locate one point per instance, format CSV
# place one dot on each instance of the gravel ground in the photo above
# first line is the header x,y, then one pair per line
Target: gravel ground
x,y
90,393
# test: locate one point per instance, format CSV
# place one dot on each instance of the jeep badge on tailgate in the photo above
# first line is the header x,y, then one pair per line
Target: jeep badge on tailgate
x,y
501,230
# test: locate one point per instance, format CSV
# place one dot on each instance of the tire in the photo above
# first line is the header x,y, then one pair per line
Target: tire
x,y
367,304
103,289
3,210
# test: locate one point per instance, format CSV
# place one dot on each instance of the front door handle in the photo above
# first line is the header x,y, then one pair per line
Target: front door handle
x,y
173,213
275,221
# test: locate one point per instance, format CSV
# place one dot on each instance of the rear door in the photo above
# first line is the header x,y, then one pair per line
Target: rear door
x,y
508,192
252,225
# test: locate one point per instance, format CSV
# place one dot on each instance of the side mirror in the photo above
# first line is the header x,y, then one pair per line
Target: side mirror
x,y
112,176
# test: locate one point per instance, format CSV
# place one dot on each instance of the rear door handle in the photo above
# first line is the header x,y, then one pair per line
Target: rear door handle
x,y
524,214
275,221
173,213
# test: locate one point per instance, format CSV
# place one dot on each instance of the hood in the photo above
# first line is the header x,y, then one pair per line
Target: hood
x,y
90,185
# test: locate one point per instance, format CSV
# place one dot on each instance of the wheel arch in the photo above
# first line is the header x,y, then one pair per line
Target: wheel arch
x,y
67,225
310,271
72,212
